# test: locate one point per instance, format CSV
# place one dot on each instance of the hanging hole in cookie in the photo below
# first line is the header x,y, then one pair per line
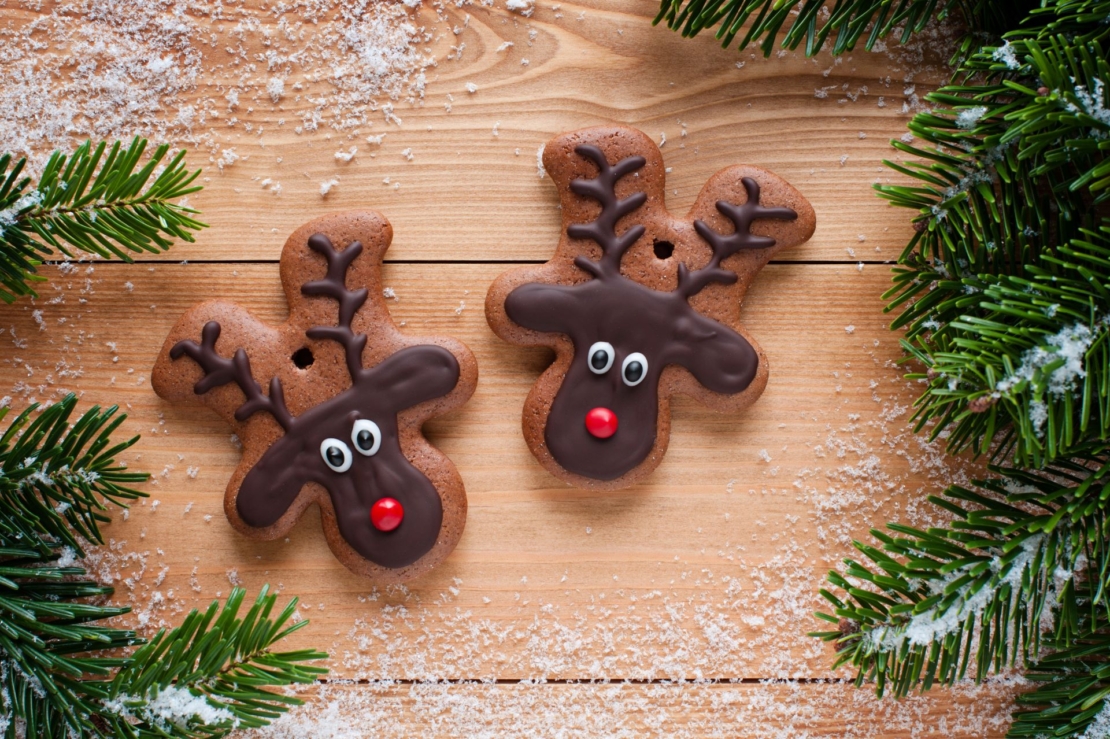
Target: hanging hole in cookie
x,y
303,358
663,249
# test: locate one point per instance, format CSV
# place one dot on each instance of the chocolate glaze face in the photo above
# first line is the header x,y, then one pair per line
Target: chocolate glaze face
x,y
633,319
409,377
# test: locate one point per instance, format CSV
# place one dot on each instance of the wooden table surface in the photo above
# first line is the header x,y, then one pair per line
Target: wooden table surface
x,y
674,608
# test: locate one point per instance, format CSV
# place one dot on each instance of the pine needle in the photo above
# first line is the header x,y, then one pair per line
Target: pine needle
x,y
100,200
64,672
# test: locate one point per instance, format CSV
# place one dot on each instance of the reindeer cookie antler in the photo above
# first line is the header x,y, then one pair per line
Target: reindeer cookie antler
x,y
347,394
639,305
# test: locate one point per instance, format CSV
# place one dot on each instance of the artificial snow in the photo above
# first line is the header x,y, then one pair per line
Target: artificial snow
x,y
933,625
1007,56
524,7
1070,345
174,706
968,118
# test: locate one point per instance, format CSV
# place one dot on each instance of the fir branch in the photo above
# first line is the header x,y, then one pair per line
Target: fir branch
x,y
1025,357
99,200
847,21
1073,683
210,675
63,672
1006,279
979,593
54,477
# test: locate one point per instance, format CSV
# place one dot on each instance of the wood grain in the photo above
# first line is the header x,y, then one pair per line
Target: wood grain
x,y
713,564
637,711
471,190
710,569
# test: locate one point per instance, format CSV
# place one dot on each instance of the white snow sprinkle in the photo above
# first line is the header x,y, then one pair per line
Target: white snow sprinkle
x,y
968,118
524,7
275,88
1007,56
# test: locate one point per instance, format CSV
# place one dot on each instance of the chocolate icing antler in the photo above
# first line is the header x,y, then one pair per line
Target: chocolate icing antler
x,y
334,285
219,371
691,283
603,189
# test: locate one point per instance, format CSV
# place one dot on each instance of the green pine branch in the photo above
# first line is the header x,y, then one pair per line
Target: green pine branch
x,y
1002,292
63,671
845,21
931,606
100,200
208,676
1021,362
55,477
1072,685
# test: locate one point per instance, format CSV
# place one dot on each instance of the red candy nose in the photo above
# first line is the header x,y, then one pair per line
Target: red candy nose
x,y
386,514
601,422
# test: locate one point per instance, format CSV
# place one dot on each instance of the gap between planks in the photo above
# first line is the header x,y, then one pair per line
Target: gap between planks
x,y
738,525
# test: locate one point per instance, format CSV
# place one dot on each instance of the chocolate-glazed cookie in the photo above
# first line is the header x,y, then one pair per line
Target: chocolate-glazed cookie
x,y
639,305
339,423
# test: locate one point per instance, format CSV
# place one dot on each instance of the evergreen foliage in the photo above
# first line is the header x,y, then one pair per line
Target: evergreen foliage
x,y
932,606
846,21
1003,295
63,671
100,200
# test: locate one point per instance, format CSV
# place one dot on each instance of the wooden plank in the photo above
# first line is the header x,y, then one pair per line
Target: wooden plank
x,y
776,710
710,569
471,189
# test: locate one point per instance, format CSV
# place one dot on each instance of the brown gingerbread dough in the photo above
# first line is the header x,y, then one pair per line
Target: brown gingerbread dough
x,y
329,405
639,305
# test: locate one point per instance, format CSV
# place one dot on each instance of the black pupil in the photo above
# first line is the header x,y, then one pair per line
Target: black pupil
x,y
365,439
634,371
335,456
599,359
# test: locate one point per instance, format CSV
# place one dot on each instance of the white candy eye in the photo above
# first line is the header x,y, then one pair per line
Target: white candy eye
x,y
600,357
634,369
367,437
336,455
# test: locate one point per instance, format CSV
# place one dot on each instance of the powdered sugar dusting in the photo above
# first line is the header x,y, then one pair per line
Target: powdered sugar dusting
x,y
769,709
104,69
730,597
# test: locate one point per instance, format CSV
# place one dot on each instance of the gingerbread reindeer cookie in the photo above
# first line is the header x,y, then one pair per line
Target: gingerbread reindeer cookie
x,y
639,305
329,405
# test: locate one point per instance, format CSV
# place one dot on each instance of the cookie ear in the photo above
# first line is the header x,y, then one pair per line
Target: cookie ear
x,y
417,374
728,186
621,160
178,375
299,258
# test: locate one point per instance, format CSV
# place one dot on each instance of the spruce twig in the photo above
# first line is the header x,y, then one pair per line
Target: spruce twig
x,y
100,200
210,675
1004,296
1073,682
976,596
1002,292
846,21
63,671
